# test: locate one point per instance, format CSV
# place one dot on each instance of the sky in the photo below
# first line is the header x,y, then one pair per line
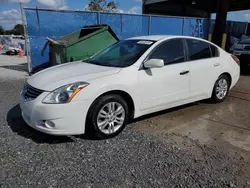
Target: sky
x,y
10,9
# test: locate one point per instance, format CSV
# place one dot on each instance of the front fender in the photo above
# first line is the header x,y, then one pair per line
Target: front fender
x,y
93,91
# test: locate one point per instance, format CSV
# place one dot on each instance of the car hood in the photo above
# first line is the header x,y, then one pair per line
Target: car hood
x,y
57,76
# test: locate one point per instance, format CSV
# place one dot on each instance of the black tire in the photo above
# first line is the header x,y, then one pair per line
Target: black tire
x,y
214,97
92,129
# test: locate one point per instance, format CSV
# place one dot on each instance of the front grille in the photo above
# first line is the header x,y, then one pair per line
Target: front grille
x,y
31,93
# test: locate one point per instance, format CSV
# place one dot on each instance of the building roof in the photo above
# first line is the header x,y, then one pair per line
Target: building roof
x,y
146,2
206,5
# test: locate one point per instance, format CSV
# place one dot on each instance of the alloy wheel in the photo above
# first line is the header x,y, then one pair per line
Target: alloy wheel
x,y
221,89
111,118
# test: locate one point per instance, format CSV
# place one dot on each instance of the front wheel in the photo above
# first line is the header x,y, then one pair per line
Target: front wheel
x,y
221,89
107,116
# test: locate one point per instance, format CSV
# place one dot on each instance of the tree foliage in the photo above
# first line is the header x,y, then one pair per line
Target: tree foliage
x,y
1,30
17,30
102,6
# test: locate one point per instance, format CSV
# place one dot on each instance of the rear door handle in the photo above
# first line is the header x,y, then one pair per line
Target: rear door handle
x,y
184,72
216,64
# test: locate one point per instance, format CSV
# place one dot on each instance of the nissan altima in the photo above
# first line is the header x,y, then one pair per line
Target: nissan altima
x,y
129,79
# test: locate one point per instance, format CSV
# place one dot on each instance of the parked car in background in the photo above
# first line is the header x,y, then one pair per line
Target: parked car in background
x,y
129,79
242,51
10,50
12,43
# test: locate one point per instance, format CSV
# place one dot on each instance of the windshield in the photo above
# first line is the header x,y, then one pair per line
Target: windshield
x,y
122,54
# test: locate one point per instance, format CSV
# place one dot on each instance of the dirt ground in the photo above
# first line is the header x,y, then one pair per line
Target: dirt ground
x,y
225,126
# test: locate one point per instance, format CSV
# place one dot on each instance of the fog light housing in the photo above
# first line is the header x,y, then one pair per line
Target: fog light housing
x,y
49,124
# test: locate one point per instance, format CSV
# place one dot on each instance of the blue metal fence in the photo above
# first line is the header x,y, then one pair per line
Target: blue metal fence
x,y
43,23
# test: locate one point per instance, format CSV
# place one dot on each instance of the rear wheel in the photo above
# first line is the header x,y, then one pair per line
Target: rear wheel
x,y
107,116
221,89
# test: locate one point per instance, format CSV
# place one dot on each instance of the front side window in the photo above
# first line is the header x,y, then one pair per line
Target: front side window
x,y
171,52
198,49
122,54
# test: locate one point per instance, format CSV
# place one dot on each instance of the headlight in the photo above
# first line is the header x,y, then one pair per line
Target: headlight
x,y
64,94
240,46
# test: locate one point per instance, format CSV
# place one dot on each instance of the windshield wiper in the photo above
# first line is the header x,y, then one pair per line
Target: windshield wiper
x,y
95,62
104,64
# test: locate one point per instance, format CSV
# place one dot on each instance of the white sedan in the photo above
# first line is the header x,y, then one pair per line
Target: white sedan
x,y
129,79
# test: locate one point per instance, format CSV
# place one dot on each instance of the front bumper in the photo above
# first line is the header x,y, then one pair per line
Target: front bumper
x,y
55,119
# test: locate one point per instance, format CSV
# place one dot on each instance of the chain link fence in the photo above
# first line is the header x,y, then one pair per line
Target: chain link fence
x,y
43,23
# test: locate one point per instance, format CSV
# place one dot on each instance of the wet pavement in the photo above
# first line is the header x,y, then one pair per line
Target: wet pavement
x,y
225,125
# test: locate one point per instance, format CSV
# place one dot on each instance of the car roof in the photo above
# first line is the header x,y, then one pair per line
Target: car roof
x,y
160,37
151,37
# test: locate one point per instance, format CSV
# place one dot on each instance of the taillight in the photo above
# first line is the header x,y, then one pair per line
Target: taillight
x,y
236,59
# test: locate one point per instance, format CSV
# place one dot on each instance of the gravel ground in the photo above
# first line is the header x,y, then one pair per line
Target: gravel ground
x,y
133,159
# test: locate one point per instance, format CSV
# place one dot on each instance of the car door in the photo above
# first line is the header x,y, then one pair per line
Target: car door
x,y
204,65
160,88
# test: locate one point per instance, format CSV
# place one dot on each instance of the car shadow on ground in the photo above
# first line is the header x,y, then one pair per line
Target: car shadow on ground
x,y
21,67
17,124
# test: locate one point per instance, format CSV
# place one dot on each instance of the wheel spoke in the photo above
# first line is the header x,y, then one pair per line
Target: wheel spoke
x,y
111,107
221,94
103,124
119,120
111,128
217,89
102,114
119,110
220,83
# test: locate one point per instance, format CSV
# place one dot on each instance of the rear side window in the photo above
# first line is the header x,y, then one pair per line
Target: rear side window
x,y
214,51
171,52
198,49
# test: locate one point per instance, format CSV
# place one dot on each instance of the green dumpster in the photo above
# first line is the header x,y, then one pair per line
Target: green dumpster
x,y
81,44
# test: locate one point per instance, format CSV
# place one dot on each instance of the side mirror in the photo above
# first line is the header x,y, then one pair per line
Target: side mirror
x,y
154,63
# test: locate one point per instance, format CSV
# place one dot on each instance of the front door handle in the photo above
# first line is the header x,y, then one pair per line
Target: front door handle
x,y
184,72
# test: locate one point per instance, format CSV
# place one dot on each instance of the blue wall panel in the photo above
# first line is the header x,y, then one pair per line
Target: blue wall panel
x,y
55,24
166,26
51,24
134,25
114,21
